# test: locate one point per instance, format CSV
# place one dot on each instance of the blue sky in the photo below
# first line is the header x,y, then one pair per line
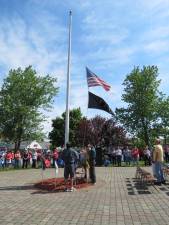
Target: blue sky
x,y
110,37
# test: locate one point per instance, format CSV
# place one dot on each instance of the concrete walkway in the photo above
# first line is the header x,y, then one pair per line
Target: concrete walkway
x,y
115,199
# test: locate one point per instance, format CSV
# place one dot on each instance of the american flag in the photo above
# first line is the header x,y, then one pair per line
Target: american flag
x,y
94,80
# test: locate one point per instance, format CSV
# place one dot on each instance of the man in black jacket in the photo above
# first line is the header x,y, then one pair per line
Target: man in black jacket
x,y
69,157
92,158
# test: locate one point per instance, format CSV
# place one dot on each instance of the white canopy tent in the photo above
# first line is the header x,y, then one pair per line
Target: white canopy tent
x,y
34,145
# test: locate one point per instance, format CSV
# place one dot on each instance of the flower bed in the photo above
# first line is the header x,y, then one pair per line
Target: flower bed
x,y
58,185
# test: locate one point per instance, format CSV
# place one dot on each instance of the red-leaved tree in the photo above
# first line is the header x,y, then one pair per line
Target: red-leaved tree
x,y
100,131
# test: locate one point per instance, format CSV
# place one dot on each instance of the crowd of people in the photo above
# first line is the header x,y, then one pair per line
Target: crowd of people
x,y
29,158
68,158
37,158
130,156
114,156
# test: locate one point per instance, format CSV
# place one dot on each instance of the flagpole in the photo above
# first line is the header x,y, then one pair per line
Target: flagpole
x,y
86,120
68,82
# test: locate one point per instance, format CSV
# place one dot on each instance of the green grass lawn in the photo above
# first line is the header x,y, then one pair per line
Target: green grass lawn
x,y
141,163
123,164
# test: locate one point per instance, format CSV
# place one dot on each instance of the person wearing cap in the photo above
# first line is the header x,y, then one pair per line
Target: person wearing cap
x,y
69,158
158,159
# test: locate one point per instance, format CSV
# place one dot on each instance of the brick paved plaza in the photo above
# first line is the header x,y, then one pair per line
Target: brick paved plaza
x,y
115,199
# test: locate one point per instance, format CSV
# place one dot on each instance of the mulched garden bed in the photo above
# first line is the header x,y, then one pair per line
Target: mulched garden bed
x,y
58,185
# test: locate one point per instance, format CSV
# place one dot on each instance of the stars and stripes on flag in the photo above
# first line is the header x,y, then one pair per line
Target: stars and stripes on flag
x,y
94,80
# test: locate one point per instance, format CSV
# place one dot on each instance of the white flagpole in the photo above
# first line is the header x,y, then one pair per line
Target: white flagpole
x,y
68,81
56,172
42,171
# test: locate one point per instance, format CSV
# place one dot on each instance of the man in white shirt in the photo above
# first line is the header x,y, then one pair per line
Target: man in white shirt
x,y
119,156
147,157
34,159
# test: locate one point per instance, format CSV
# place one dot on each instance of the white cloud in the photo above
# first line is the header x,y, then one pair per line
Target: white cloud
x,y
158,47
79,97
57,110
157,32
21,46
155,5
109,56
108,38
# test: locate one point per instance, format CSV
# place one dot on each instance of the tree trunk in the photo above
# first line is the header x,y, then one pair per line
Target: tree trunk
x,y
165,139
19,138
146,134
17,145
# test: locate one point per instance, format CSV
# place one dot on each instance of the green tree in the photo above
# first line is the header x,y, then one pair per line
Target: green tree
x,y
57,134
22,97
162,126
142,97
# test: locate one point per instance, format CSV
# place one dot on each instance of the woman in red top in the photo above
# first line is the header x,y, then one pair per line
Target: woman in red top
x,y
17,157
8,158
135,155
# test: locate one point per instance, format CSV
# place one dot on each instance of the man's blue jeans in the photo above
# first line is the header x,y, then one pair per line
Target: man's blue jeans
x,y
159,172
